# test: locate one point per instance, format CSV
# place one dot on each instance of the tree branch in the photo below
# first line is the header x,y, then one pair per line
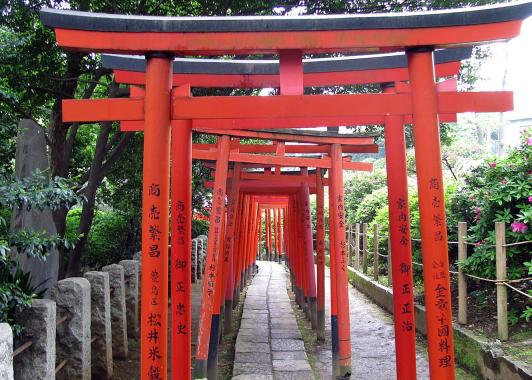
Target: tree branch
x,y
116,153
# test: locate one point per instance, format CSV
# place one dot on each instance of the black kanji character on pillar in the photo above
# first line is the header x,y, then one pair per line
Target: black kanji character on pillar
x,y
438,236
445,361
406,289
180,264
434,183
154,251
181,329
443,330
154,232
154,373
180,206
440,290
180,287
407,326
443,346
406,308
154,319
153,336
154,213
437,220
180,309
401,203
154,276
154,190
405,268
441,303
436,202
154,354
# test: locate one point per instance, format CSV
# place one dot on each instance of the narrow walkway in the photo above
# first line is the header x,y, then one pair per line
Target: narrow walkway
x,y
269,344
372,340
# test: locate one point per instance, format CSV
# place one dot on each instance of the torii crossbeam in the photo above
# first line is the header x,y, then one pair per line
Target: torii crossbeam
x,y
159,38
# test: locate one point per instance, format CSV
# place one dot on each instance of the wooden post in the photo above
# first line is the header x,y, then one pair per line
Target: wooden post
x,y
376,252
365,248
357,246
462,283
500,267
389,261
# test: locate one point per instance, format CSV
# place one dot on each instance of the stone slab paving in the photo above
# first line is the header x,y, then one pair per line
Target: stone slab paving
x,y
372,340
269,345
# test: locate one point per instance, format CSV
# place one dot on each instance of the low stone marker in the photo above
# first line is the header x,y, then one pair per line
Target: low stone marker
x,y
194,260
39,322
131,282
73,336
118,310
101,347
6,352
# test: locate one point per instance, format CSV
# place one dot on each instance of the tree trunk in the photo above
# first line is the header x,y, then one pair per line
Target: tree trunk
x,y
57,132
87,213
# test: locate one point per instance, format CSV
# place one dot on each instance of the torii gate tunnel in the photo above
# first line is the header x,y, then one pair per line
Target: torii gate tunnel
x,y
167,114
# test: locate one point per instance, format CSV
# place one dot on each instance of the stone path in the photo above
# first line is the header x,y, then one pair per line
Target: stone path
x,y
269,344
372,340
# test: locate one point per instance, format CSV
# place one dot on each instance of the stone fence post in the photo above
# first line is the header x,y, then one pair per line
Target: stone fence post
x,y
194,259
73,336
200,250
131,282
6,352
39,322
118,310
101,341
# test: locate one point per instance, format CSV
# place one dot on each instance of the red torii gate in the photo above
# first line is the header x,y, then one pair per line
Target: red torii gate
x,y
305,292
319,34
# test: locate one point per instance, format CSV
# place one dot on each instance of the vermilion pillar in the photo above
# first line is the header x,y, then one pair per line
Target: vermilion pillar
x,y
155,223
336,183
320,253
432,214
232,209
212,269
237,259
212,359
268,234
180,250
278,234
401,248
309,255
333,287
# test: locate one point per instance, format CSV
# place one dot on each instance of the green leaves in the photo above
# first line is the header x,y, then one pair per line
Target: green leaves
x,y
37,191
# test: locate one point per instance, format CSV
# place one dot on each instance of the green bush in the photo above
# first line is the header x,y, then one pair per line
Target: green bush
x,y
199,227
37,191
499,190
367,209
358,187
107,242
